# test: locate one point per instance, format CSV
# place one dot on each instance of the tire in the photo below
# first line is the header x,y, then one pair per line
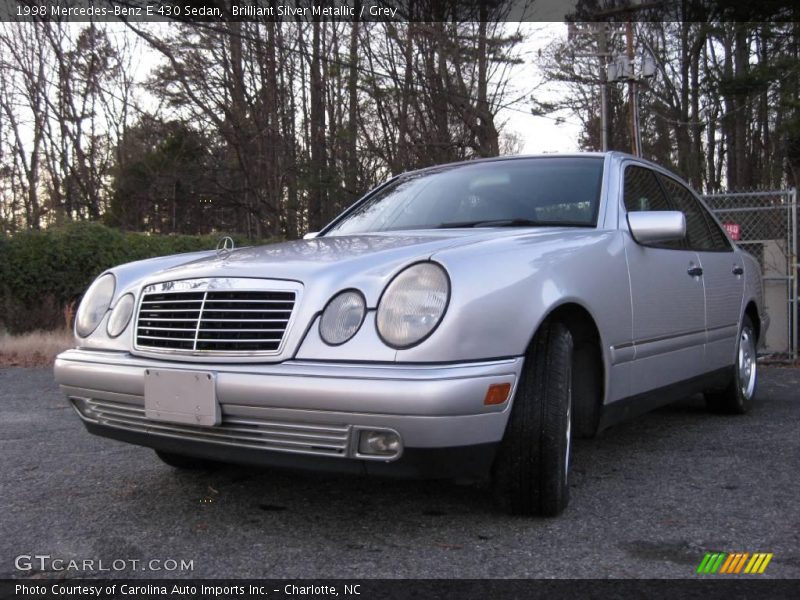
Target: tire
x,y
186,463
587,390
531,471
737,397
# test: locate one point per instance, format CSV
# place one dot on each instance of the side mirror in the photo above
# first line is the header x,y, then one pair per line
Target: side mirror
x,y
657,226
311,235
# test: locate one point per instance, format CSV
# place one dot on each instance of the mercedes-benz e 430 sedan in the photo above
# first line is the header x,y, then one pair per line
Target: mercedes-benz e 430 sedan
x,y
465,320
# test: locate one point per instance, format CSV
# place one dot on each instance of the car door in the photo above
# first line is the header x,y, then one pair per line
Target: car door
x,y
723,274
667,298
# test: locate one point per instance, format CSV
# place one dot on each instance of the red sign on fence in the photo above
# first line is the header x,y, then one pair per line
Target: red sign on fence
x,y
733,230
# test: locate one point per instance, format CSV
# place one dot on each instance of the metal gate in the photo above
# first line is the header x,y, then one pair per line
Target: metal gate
x,y
764,223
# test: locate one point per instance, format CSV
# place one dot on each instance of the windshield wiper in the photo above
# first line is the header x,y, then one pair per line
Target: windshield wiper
x,y
493,223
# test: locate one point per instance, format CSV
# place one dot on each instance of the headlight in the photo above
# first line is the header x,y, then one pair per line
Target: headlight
x,y
120,316
342,317
94,305
413,304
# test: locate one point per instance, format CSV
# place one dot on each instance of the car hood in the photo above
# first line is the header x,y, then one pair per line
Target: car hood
x,y
324,266
338,256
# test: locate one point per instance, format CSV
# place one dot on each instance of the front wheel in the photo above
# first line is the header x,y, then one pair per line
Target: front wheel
x,y
737,397
531,472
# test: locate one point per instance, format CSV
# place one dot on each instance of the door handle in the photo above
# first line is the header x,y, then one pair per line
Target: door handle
x,y
695,271
737,270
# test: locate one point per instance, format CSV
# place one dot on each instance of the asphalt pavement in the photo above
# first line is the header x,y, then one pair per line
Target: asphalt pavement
x,y
649,499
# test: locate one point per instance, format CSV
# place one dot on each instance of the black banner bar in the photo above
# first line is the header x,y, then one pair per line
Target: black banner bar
x,y
711,588
396,10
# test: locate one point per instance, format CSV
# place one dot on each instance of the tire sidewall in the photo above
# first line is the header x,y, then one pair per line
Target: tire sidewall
x,y
531,475
743,403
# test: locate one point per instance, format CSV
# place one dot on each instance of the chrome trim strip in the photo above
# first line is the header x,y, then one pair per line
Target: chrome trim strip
x,y
670,344
171,301
196,329
723,332
250,310
307,368
629,351
291,437
237,330
248,302
659,338
622,353
239,341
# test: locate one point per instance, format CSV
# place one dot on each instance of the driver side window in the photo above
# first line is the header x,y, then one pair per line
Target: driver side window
x,y
642,192
703,233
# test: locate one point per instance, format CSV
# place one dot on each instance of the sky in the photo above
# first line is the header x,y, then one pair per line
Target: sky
x,y
539,134
536,134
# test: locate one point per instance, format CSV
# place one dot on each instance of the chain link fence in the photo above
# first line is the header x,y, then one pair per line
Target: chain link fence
x,y
764,223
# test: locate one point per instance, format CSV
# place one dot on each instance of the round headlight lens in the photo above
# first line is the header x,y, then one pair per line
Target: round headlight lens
x,y
413,304
342,318
120,316
94,305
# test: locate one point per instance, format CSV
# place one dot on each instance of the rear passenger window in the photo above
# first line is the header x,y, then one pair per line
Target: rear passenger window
x,y
701,230
642,192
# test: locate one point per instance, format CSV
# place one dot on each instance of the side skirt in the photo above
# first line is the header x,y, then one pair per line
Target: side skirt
x,y
633,406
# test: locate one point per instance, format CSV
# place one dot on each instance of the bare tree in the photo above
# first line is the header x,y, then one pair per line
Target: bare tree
x,y
287,122
24,102
719,110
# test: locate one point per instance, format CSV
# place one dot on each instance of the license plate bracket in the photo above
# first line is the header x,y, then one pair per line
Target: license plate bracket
x,y
187,397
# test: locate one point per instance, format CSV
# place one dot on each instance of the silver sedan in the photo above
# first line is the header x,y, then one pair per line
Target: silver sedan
x,y
462,321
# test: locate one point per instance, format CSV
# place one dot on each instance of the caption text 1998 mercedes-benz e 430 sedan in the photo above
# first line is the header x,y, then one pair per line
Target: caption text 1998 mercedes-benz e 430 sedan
x,y
462,321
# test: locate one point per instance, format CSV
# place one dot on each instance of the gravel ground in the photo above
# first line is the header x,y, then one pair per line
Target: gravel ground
x,y
649,499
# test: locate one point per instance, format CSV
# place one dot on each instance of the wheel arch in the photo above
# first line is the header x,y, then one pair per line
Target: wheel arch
x,y
751,310
589,363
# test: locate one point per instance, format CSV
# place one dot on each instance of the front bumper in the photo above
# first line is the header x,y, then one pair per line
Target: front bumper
x,y
307,414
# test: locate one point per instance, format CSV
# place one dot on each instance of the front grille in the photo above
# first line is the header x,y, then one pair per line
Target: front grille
x,y
281,436
214,321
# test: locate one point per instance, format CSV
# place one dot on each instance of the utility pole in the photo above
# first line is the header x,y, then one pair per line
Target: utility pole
x,y
633,109
598,31
626,70
602,47
620,68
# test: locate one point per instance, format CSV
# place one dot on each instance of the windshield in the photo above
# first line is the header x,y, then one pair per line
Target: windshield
x,y
509,193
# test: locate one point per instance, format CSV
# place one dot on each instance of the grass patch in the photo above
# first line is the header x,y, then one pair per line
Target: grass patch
x,y
35,349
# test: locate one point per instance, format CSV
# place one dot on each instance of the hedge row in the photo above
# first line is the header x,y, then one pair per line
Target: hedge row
x,y
43,272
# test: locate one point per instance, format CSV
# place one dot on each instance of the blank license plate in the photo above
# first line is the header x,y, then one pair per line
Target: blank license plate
x,y
188,397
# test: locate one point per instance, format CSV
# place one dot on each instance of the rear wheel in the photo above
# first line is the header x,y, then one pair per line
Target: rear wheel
x,y
737,397
531,472
186,463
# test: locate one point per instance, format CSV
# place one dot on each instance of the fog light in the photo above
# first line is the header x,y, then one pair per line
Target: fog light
x,y
84,406
382,443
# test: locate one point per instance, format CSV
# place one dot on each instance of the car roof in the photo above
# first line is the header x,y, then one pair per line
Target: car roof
x,y
473,161
613,154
